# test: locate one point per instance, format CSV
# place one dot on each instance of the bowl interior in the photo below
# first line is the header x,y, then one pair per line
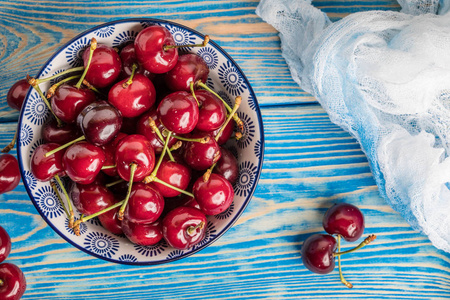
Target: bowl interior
x,y
225,78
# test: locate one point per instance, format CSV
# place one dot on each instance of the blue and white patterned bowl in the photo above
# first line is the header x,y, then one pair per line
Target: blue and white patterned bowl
x,y
225,77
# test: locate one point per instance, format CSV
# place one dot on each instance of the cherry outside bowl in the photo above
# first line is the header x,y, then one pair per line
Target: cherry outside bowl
x,y
225,77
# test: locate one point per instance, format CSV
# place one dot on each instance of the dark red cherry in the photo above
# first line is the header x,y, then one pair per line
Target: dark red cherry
x,y
184,227
227,166
180,200
17,93
69,101
110,154
45,168
212,112
105,66
110,220
83,161
9,173
344,219
317,253
133,99
14,282
53,133
174,174
150,52
100,122
215,195
178,112
143,128
226,134
143,234
91,198
129,125
5,244
134,149
128,58
145,204
189,68
200,156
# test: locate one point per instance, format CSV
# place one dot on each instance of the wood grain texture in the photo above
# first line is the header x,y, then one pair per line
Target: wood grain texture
x,y
31,31
309,164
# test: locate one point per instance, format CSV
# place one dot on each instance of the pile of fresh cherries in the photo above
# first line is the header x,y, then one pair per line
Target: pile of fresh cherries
x,y
320,250
140,136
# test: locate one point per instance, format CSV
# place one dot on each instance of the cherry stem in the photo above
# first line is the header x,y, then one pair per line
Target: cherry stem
x,y
202,140
91,52
203,44
191,85
33,82
208,173
237,103
130,81
87,218
53,185
345,282
114,183
76,69
91,87
176,146
133,167
69,204
155,129
156,179
108,167
161,156
11,144
367,241
81,138
191,229
52,89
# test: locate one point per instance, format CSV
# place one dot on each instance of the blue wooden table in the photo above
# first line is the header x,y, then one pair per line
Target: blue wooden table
x,y
309,164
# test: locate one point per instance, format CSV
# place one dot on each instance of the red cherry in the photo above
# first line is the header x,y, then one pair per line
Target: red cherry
x,y
200,156
213,196
212,112
69,101
45,168
143,234
105,66
344,219
134,149
226,134
5,244
110,154
145,204
227,166
128,58
53,133
144,128
174,174
178,112
189,68
14,283
110,220
317,253
91,198
184,227
17,93
83,161
135,98
9,173
149,46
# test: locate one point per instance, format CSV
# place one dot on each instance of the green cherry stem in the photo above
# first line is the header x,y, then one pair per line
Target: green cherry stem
x,y
202,140
155,129
91,52
191,229
152,176
191,85
87,218
366,241
208,173
237,103
76,69
69,204
345,282
81,138
203,44
156,179
130,80
133,167
108,167
114,183
33,82
52,89
53,185
91,87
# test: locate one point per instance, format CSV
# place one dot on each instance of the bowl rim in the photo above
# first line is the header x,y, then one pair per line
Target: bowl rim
x,y
191,250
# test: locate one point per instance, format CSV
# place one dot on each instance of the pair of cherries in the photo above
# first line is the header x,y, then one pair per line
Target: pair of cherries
x,y
320,250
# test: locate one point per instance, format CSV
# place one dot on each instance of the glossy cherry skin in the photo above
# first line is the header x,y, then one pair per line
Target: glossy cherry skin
x,y
135,149
213,196
227,166
105,66
143,234
189,68
83,161
100,122
174,174
178,112
91,198
135,99
344,219
5,244
110,220
226,133
17,93
110,154
176,224
212,113
145,204
149,46
9,173
143,128
317,253
128,58
14,282
45,168
201,156
69,101
53,133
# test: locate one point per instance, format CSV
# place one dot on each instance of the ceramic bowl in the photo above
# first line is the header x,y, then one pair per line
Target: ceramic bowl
x,y
225,77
